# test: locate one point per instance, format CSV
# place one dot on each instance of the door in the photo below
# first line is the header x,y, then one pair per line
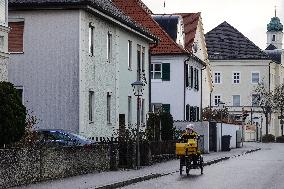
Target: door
x,y
213,136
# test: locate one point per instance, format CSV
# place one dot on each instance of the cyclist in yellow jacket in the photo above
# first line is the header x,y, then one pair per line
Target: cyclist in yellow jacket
x,y
189,133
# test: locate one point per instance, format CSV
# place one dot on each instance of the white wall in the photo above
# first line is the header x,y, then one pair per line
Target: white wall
x,y
227,129
170,92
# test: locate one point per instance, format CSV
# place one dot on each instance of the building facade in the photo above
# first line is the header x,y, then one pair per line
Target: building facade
x,y
4,30
72,65
238,66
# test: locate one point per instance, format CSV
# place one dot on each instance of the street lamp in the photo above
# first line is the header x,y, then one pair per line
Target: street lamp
x,y
138,91
221,106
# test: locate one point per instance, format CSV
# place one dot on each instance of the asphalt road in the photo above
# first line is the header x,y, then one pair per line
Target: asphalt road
x,y
263,169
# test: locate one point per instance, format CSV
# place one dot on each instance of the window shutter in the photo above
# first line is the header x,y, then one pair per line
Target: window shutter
x,y
186,75
166,108
197,79
15,37
187,112
197,114
191,77
191,114
166,69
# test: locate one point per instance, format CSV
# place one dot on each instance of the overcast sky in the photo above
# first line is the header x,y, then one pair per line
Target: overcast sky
x,y
250,17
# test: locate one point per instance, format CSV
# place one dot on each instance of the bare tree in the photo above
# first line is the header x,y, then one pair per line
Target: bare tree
x,y
278,99
264,99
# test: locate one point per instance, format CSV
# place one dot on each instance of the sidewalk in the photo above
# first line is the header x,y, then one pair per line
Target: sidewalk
x,y
113,179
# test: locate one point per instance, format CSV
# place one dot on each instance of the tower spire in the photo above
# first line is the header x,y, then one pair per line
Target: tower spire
x,y
275,10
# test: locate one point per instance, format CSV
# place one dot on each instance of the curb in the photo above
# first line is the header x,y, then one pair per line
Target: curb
x,y
152,176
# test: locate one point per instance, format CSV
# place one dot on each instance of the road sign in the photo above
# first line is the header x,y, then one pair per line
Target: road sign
x,y
281,117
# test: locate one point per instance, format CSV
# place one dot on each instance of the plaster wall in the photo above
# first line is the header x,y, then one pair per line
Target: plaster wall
x,y
47,69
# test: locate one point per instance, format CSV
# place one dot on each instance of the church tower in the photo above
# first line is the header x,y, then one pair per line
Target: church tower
x,y
275,32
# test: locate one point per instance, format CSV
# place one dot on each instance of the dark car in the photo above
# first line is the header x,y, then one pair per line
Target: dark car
x,y
54,137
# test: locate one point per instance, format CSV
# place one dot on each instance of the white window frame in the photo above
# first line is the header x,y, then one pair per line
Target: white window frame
x,y
109,46
236,80
154,71
233,100
129,53
215,76
220,98
258,77
91,39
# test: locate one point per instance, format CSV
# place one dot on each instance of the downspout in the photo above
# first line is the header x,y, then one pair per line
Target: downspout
x,y
201,94
184,85
149,74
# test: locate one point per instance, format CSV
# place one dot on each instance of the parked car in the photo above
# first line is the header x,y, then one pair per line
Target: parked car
x,y
55,137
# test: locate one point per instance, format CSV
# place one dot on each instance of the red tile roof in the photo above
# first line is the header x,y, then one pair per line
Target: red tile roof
x,y
190,22
140,13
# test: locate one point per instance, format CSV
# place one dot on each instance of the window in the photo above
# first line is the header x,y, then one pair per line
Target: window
x,y
189,76
15,37
91,106
236,100
236,77
91,39
187,115
138,62
20,92
129,54
196,79
1,43
108,108
217,99
255,77
156,71
129,110
156,107
3,12
273,38
255,100
217,77
109,46
143,59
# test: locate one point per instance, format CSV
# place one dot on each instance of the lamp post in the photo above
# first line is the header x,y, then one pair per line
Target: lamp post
x,y
138,89
221,106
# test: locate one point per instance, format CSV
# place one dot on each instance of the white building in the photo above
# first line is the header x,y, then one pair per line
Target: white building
x,y
75,66
4,30
238,66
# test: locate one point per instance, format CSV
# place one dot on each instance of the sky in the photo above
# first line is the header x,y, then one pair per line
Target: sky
x,y
250,17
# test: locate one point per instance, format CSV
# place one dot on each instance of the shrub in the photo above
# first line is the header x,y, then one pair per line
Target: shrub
x,y
268,138
12,115
280,139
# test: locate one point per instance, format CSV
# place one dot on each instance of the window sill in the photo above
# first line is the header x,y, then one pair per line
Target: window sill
x,y
156,80
109,124
91,122
16,52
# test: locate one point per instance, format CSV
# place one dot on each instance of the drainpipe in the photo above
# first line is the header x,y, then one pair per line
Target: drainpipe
x,y
149,73
201,93
184,86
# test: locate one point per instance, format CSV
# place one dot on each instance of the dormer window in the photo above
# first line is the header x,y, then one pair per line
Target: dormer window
x,y
273,38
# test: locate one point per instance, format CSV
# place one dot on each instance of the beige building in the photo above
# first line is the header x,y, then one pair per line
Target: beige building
x,y
4,29
238,65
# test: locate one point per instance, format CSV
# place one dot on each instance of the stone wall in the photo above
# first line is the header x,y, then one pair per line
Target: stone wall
x,y
24,166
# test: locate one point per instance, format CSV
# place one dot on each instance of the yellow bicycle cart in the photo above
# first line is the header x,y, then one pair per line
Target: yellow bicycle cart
x,y
190,156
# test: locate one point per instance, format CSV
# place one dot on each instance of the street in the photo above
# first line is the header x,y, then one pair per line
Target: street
x,y
260,170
